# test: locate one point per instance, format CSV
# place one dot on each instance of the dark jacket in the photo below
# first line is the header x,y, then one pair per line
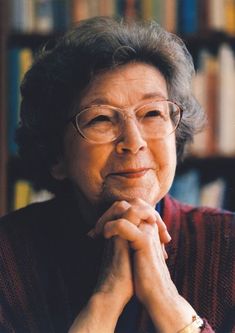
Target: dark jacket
x,y
49,266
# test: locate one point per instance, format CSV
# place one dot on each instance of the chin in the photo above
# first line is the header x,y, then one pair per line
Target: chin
x,y
151,197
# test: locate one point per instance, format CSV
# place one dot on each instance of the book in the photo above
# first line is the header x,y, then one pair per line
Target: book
x,y
186,187
25,61
226,101
43,16
61,14
158,12
216,15
229,12
131,9
28,16
199,147
211,68
22,192
79,10
170,15
40,195
203,15
212,194
107,7
146,9
17,12
204,144
187,16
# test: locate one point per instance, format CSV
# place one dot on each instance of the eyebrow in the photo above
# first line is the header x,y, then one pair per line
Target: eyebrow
x,y
154,95
105,101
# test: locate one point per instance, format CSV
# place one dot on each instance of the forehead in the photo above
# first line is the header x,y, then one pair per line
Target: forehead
x,y
126,85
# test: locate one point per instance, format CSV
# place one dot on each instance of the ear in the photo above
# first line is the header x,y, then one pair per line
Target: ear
x,y
58,170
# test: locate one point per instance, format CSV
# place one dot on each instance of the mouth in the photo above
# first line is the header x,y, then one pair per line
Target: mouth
x,y
130,173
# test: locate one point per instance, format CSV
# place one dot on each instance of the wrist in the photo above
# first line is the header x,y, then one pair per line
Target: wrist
x,y
172,315
111,303
100,315
194,327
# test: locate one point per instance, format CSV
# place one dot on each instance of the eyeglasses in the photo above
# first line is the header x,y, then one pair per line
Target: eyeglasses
x,y
105,123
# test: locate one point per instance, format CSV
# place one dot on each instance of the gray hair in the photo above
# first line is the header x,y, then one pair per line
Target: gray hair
x,y
60,75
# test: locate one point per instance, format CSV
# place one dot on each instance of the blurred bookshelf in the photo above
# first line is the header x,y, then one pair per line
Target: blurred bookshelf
x,y
208,29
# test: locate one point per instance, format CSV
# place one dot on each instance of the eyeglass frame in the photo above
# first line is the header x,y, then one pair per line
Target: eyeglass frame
x,y
73,118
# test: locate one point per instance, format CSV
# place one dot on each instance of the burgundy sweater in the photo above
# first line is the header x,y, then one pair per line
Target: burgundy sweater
x,y
48,267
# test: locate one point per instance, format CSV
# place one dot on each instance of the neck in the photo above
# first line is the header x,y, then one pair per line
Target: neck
x,y
89,212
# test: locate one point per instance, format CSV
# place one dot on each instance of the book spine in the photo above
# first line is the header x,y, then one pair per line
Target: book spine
x,y
22,192
44,16
198,147
60,13
188,16
229,16
80,10
170,15
158,11
146,9
216,15
16,15
107,7
226,114
203,15
130,11
211,68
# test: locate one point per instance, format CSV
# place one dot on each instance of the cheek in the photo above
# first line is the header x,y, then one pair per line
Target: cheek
x,y
84,163
165,157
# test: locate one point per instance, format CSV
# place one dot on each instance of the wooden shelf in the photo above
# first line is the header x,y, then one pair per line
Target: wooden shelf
x,y
212,167
32,40
211,40
11,169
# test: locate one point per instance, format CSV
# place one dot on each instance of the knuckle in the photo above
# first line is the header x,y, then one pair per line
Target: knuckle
x,y
121,224
122,205
157,214
133,210
151,211
160,221
138,201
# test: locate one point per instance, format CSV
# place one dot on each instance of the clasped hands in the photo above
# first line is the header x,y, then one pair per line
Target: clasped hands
x,y
133,263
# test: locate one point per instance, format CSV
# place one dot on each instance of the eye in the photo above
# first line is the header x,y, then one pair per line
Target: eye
x,y
99,119
153,113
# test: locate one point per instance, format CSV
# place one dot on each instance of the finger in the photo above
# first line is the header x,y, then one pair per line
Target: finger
x,y
123,229
164,252
121,247
115,211
152,232
138,213
141,210
163,232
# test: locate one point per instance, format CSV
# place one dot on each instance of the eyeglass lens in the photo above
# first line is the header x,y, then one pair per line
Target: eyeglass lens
x,y
105,123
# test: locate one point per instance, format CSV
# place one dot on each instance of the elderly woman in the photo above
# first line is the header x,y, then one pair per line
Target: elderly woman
x,y
105,115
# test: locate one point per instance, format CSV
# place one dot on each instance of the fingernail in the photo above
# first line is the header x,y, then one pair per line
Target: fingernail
x,y
168,236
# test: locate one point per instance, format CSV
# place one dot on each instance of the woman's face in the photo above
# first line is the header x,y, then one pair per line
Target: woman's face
x,y
132,166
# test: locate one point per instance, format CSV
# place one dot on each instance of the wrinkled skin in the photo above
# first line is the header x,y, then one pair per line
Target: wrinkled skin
x,y
118,185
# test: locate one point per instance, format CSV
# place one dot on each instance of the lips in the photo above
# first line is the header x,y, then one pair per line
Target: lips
x,y
130,173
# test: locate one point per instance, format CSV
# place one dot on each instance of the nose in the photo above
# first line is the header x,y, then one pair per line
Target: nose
x,y
131,139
